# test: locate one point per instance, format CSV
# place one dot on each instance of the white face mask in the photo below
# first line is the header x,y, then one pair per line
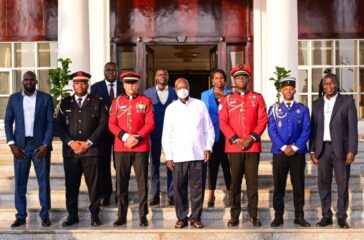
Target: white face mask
x,y
182,93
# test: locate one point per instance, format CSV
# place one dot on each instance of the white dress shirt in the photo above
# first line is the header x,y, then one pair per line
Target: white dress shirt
x,y
83,99
162,94
108,87
187,131
328,107
29,113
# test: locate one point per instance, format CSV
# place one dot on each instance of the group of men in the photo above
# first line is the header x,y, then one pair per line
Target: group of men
x,y
115,120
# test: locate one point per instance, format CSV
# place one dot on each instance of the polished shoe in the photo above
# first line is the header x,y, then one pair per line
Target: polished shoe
x,y
324,222
95,221
143,222
343,223
233,222
211,203
276,222
197,224
18,222
155,201
116,199
105,201
171,201
255,222
302,222
70,221
181,224
46,222
119,222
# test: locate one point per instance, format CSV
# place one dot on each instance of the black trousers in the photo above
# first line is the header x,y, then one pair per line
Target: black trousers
x,y
192,174
218,156
328,161
123,163
105,181
73,168
244,164
295,165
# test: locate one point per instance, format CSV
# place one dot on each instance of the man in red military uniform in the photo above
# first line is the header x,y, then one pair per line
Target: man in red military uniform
x,y
131,120
242,119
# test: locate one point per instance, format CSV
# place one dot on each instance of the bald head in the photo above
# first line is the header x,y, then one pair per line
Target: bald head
x,y
181,83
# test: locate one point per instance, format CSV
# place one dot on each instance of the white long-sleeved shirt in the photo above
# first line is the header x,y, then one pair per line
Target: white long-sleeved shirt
x,y
29,113
187,131
328,107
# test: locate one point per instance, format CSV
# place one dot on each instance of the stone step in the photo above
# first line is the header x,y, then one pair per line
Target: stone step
x,y
164,230
265,212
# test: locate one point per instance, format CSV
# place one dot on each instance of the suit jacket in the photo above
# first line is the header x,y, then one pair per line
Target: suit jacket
x,y
88,122
100,89
159,109
43,120
343,126
208,98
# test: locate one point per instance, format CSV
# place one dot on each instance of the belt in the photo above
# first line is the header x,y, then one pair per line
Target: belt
x,y
327,142
29,138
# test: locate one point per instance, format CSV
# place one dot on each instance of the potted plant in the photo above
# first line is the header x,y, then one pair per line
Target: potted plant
x,y
280,73
59,78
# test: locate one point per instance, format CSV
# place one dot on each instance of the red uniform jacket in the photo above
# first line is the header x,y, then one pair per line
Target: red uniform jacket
x,y
133,116
242,116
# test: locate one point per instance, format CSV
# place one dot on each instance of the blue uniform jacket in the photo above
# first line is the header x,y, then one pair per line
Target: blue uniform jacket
x,y
286,127
209,99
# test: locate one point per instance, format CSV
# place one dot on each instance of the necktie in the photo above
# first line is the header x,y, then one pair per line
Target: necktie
x,y
289,106
79,101
111,93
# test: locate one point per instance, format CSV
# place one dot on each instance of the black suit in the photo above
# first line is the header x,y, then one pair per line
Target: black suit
x,y
87,122
332,154
105,183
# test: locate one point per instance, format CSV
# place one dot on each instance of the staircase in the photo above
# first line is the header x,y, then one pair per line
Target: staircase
x,y
162,218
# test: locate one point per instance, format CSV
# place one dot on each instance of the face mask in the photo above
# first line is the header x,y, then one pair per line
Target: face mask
x,y
182,93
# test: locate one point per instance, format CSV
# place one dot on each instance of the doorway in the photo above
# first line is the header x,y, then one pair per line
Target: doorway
x,y
193,62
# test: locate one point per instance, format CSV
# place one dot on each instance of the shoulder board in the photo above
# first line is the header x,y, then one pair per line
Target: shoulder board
x,y
256,93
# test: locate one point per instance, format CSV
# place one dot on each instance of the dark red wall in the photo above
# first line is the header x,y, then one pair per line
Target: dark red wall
x,y
330,19
169,18
28,20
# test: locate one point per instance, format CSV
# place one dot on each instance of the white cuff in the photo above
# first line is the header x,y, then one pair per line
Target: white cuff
x,y
295,148
89,142
11,143
125,137
283,147
69,143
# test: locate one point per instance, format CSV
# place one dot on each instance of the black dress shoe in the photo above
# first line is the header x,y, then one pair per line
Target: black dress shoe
x,y
255,222
211,204
301,221
143,222
155,201
46,222
171,200
18,222
181,224
233,222
343,223
95,221
70,221
105,201
276,222
324,222
119,222
116,199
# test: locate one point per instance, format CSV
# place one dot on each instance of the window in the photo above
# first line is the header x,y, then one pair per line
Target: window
x,y
344,57
18,57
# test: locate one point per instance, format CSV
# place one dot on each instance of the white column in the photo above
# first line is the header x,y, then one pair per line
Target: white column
x,y
280,47
99,38
73,33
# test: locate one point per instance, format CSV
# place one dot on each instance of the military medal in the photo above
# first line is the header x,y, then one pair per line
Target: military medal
x,y
279,124
298,111
253,100
140,107
220,106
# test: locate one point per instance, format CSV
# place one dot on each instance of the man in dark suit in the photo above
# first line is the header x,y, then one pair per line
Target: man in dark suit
x,y
81,122
30,140
162,95
333,145
107,89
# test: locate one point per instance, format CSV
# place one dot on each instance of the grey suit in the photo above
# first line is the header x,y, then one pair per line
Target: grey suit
x,y
332,155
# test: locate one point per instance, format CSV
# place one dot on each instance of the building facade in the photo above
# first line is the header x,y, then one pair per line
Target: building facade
x,y
189,38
